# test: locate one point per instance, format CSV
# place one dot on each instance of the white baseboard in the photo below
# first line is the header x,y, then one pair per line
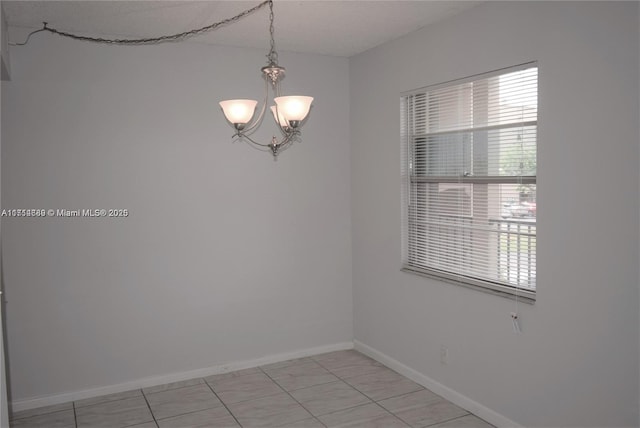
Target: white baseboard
x,y
455,397
35,402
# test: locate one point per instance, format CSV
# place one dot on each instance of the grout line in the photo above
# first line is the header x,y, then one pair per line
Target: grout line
x,y
394,415
185,413
223,403
108,401
345,380
395,396
173,389
75,416
334,381
232,371
348,408
149,407
413,392
13,419
319,421
182,414
248,399
425,388
311,386
374,401
294,399
452,419
138,424
307,387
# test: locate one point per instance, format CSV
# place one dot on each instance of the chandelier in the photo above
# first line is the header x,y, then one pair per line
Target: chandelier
x,y
289,112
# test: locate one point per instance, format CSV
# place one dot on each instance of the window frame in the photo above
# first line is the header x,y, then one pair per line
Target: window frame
x,y
409,179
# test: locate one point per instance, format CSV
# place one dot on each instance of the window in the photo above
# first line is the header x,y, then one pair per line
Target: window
x,y
469,181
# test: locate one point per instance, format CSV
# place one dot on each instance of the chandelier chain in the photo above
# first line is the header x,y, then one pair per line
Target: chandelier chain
x,y
161,39
272,56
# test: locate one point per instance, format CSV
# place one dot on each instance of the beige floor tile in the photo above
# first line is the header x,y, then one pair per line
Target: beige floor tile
x,y
419,416
179,401
114,414
218,417
339,359
383,384
243,372
330,397
283,364
244,388
272,411
411,401
173,385
469,421
368,415
307,423
42,410
62,419
358,368
300,375
106,398
345,364
337,387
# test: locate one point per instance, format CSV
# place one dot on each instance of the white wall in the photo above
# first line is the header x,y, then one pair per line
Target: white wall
x,y
576,362
4,409
226,255
5,63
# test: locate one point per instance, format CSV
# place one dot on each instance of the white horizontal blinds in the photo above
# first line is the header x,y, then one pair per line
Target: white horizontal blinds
x,y
406,159
470,187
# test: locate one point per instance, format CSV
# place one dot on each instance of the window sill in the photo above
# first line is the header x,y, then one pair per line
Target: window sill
x,y
521,296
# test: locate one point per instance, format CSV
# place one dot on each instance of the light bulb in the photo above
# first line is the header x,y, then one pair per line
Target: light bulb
x,y
294,108
238,111
278,117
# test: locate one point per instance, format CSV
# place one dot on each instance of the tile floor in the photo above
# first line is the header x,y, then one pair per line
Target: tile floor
x,y
338,389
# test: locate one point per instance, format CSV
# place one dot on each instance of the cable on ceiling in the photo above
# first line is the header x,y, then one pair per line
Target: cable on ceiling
x,y
148,40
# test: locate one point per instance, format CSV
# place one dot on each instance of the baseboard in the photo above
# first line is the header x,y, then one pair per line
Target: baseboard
x,y
455,397
35,402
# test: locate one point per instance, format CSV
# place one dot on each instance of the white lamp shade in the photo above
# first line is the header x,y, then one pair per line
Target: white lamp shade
x,y
238,111
278,117
294,107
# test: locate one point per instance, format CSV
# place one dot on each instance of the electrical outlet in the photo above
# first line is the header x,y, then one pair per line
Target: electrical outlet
x,y
444,355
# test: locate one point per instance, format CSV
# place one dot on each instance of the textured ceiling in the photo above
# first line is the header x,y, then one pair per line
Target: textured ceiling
x,y
341,28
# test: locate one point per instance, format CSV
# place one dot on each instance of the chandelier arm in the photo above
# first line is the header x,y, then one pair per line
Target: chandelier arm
x,y
276,89
252,141
284,146
258,120
283,131
286,142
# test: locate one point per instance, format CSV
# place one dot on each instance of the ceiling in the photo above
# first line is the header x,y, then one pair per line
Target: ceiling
x,y
340,28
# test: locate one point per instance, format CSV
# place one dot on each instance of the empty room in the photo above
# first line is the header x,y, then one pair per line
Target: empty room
x,y
320,214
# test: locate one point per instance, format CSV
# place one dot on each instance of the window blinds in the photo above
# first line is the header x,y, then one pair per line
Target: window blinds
x,y
469,180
